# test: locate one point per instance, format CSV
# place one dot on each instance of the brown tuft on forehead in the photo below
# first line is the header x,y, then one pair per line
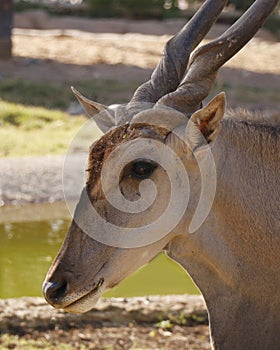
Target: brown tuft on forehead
x,y
101,149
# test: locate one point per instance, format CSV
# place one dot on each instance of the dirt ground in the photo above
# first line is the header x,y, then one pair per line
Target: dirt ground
x,y
64,56
169,322
67,55
251,79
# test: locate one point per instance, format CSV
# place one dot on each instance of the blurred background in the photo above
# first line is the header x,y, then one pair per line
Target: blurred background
x,y
105,48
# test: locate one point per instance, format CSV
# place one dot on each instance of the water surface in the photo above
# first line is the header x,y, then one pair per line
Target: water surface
x,y
30,237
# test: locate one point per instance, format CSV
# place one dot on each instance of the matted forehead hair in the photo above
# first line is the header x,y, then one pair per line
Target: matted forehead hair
x,y
102,148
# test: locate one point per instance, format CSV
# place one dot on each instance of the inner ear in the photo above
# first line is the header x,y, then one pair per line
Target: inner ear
x,y
205,124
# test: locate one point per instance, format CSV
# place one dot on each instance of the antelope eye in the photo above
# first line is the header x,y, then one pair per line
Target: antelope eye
x,y
142,168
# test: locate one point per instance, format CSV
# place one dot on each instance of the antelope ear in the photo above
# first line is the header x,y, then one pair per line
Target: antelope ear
x,y
205,124
102,115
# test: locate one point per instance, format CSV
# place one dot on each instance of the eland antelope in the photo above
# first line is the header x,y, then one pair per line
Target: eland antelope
x,y
200,183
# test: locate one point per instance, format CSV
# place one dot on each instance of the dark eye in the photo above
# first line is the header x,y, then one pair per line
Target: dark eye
x,y
142,168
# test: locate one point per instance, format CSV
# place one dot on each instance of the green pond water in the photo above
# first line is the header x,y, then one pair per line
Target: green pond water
x,y
28,247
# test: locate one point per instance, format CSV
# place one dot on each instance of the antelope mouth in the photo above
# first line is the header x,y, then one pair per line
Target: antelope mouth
x,y
86,301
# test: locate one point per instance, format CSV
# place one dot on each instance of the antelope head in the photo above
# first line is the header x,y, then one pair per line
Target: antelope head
x,y
137,198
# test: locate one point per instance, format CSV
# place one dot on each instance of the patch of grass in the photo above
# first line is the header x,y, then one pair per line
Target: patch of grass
x,y
28,118
107,91
244,96
164,324
28,131
60,96
257,95
190,320
8,341
35,93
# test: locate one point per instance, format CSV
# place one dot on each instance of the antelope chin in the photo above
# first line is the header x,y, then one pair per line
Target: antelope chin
x,y
86,302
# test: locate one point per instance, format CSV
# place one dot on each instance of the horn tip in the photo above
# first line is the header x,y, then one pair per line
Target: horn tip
x,y
78,95
73,89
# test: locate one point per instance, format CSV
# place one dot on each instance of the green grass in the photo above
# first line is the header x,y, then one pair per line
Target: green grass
x,y
256,95
26,131
28,118
35,93
240,96
60,96
8,341
32,121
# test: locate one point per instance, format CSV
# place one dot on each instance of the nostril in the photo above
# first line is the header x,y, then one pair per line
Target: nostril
x,y
54,291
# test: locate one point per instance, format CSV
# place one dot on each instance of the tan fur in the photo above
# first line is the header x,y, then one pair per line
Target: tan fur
x,y
234,255
233,258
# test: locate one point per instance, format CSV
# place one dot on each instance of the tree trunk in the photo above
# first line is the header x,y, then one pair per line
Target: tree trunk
x,y
6,17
